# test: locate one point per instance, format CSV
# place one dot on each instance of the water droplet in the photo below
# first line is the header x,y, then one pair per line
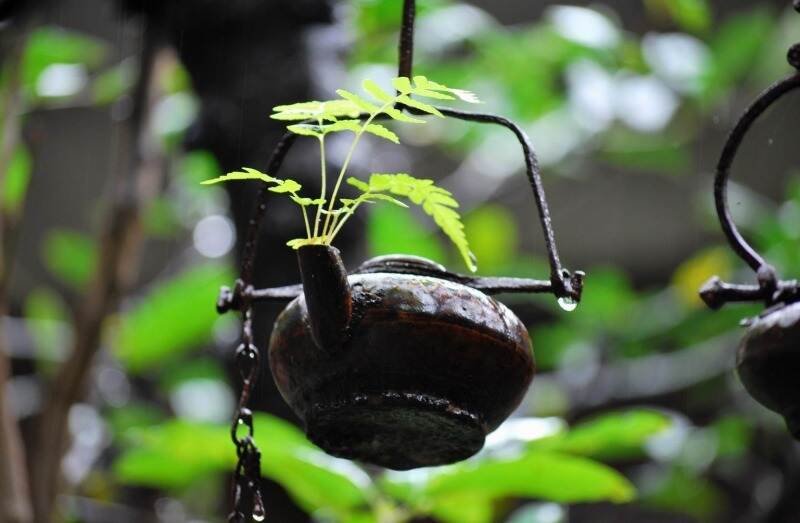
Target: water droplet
x,y
259,514
567,303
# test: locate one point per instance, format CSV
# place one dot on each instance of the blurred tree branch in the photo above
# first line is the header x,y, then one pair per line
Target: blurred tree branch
x,y
135,180
15,506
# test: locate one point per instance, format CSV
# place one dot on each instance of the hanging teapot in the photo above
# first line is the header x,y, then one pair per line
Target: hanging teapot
x,y
768,358
400,363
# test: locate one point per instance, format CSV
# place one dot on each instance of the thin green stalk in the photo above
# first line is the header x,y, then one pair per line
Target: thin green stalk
x,y
326,227
336,228
324,181
305,219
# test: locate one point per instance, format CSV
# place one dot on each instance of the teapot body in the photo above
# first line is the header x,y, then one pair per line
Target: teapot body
x,y
427,368
768,362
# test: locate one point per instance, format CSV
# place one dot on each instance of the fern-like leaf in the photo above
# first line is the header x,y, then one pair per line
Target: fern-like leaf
x,y
427,108
300,242
245,174
362,104
358,184
423,85
304,129
437,202
376,91
329,110
400,116
381,131
306,202
286,186
402,84
342,125
385,198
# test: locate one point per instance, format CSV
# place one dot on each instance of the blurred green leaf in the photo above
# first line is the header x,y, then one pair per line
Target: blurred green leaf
x,y
70,256
178,453
47,318
194,369
551,341
373,16
175,78
175,317
526,65
114,82
384,226
735,47
616,435
17,179
198,166
466,508
734,435
608,297
160,218
646,152
493,238
684,493
360,517
174,454
133,416
313,481
693,16
536,474
50,45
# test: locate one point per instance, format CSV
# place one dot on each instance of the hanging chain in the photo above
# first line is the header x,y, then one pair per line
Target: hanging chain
x,y
246,488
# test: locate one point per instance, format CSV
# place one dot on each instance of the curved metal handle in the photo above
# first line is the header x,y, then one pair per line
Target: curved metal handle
x,y
563,283
764,102
715,293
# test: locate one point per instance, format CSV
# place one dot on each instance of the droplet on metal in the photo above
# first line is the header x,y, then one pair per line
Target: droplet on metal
x,y
568,304
259,514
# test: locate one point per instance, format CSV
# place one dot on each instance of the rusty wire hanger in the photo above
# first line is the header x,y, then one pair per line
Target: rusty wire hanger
x,y
770,289
247,501
562,283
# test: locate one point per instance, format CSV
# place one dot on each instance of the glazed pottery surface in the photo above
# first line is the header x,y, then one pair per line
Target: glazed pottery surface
x,y
768,362
425,369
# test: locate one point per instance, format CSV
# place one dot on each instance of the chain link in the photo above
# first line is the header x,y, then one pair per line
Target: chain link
x,y
246,488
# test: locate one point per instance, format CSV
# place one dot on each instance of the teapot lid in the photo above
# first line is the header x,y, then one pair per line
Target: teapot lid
x,y
402,264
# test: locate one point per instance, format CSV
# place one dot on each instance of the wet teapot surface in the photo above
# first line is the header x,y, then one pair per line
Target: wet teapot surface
x,y
768,362
399,370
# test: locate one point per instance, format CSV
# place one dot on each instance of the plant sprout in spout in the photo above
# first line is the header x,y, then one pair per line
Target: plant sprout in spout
x,y
325,215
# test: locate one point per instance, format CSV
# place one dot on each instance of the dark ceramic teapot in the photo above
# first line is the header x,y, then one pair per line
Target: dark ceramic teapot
x,y
400,364
768,362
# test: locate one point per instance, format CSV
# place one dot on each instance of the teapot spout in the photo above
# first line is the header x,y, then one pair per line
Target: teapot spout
x,y
327,293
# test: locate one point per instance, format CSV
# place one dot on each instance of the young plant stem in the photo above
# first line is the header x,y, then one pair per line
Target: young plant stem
x,y
338,226
305,219
328,227
323,171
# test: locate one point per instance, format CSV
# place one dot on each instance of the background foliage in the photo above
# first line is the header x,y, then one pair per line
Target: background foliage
x,y
635,402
